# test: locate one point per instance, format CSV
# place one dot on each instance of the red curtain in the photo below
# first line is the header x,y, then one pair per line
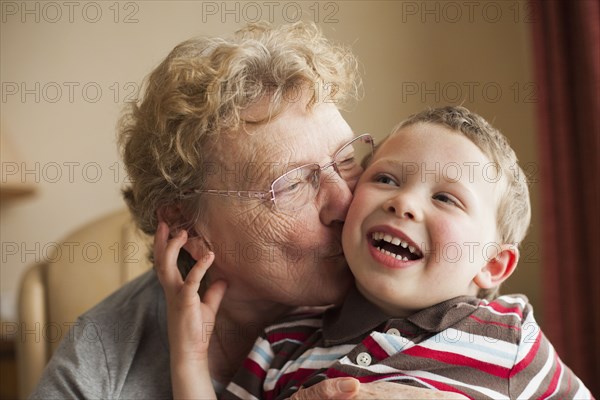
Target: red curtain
x,y
567,70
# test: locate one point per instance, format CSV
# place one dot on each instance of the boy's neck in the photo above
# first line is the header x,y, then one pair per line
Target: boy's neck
x,y
397,310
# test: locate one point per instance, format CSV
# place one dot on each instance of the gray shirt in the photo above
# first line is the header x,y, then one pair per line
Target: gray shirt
x,y
116,350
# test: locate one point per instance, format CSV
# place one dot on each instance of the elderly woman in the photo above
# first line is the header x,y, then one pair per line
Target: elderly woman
x,y
239,147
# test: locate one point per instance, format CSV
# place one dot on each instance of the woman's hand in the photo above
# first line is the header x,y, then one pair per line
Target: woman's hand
x,y
334,388
391,390
350,388
190,319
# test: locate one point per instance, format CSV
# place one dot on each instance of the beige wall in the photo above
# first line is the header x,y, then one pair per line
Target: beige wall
x,y
68,67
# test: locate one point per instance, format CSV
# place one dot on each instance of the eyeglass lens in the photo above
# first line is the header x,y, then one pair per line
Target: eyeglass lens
x,y
299,186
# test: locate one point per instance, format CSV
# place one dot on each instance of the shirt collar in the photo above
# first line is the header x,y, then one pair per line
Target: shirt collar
x,y
357,316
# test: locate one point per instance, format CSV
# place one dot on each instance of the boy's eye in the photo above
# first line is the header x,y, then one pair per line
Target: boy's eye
x,y
446,198
385,179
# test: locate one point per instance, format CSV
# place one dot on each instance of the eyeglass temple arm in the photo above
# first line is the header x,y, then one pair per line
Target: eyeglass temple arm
x,y
249,194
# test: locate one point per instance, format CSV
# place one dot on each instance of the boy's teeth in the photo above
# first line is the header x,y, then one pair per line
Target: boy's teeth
x,y
396,256
386,237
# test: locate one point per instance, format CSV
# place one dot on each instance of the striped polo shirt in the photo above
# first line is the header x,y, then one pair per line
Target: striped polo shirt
x,y
466,345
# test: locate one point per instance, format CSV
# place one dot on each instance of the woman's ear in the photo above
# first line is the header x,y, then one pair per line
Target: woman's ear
x,y
197,245
498,268
172,215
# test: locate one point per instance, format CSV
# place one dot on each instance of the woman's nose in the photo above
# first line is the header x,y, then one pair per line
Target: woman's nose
x,y
404,205
333,199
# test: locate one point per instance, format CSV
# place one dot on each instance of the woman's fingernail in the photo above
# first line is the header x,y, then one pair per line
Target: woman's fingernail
x,y
348,385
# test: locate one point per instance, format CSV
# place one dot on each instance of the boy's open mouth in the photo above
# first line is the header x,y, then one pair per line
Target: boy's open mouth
x,y
395,247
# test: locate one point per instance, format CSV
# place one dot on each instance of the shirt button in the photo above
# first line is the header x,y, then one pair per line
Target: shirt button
x,y
393,331
363,359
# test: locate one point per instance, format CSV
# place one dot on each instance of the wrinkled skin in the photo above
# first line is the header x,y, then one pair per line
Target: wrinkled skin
x,y
265,254
349,388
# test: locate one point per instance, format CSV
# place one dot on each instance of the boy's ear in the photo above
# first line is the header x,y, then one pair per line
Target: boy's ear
x,y
498,268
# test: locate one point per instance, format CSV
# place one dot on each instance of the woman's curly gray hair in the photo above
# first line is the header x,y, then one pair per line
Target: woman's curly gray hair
x,y
199,91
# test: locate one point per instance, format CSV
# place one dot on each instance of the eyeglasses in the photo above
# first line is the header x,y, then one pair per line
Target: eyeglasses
x,y
299,186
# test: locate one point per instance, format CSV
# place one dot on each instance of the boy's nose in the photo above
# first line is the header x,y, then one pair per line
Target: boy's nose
x,y
404,206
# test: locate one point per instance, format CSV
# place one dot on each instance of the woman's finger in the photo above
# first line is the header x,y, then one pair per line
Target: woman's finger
x,y
334,388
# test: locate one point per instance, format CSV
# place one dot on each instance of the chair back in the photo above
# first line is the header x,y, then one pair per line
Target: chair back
x,y
83,269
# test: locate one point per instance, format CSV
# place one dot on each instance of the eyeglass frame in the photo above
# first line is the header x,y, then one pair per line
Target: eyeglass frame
x,y
262,195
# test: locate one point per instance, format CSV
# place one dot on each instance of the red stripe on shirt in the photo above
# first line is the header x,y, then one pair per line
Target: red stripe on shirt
x,y
278,336
374,348
457,359
296,378
254,368
443,386
506,310
524,363
482,321
554,381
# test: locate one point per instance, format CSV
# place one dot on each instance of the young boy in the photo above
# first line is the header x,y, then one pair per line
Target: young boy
x,y
432,232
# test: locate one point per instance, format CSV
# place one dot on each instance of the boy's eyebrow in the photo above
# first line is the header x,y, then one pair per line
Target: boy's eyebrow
x,y
392,163
459,182
408,168
403,168
466,191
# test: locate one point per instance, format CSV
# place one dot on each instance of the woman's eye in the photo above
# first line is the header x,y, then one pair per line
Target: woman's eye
x,y
445,198
386,180
347,163
293,186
